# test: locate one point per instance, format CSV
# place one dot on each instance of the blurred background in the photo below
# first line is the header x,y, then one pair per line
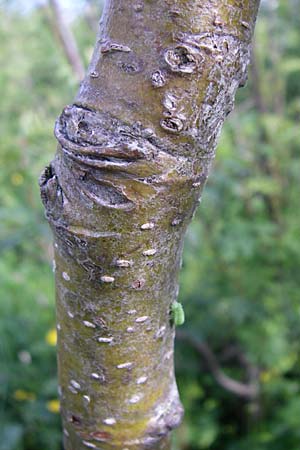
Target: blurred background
x,y
238,355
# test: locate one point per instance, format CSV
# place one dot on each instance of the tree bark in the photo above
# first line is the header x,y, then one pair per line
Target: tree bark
x,y
134,153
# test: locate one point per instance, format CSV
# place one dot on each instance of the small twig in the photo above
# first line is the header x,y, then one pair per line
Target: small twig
x,y
259,100
91,16
245,390
67,40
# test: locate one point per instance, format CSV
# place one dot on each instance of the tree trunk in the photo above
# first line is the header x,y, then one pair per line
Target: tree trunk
x,y
133,156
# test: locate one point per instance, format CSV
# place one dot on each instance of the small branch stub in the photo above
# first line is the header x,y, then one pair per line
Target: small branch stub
x,y
181,59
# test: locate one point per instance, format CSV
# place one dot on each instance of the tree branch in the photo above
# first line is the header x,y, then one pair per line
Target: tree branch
x,y
66,39
248,391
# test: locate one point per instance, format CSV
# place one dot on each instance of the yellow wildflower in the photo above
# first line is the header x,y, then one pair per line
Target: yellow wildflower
x,y
17,179
22,395
51,337
53,406
266,376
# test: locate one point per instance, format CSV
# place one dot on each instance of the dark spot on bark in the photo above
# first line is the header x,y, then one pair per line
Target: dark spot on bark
x,y
75,419
100,322
46,175
51,192
172,124
129,68
94,74
229,109
158,79
138,284
83,125
244,80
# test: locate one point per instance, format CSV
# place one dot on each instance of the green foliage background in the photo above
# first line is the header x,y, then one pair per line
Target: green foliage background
x,y
240,281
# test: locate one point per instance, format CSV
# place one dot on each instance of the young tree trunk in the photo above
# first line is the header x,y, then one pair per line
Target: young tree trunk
x,y
133,156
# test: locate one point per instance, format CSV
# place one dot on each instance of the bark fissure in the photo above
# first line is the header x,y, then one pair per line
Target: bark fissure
x,y
134,153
